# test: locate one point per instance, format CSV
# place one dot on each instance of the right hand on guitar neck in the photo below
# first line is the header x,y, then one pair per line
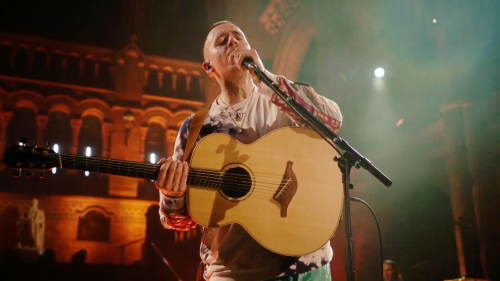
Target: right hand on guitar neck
x,y
172,178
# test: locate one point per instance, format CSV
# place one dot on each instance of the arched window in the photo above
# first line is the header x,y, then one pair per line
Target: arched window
x,y
90,135
104,80
195,91
152,87
21,63
22,125
72,69
167,88
155,142
181,89
90,142
39,66
59,131
89,72
94,226
56,67
5,59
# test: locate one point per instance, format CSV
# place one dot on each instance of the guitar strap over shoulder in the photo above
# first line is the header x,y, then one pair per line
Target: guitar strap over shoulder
x,y
194,130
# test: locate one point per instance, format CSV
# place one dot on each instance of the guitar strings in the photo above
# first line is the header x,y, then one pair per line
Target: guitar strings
x,y
257,190
132,164
155,168
139,167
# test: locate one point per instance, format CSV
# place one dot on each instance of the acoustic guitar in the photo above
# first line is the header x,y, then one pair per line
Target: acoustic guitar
x,y
285,189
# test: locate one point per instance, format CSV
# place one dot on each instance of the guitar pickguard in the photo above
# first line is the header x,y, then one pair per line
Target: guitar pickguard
x,y
286,190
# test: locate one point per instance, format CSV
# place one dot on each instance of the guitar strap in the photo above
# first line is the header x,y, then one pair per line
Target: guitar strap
x,y
194,130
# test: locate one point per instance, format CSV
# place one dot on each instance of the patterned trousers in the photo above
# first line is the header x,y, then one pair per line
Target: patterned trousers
x,y
319,274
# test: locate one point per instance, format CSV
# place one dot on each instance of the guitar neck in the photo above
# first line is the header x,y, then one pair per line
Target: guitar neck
x,y
198,177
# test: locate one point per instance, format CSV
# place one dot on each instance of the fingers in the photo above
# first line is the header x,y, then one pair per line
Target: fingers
x,y
177,176
160,181
170,176
238,55
183,180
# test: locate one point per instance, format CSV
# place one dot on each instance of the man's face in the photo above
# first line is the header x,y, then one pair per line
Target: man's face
x,y
220,43
388,272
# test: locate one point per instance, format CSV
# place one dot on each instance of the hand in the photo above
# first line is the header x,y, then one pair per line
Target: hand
x,y
239,54
172,178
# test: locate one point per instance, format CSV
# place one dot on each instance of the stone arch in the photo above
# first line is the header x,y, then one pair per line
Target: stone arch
x,y
36,99
96,107
23,123
160,120
61,100
93,112
157,112
293,46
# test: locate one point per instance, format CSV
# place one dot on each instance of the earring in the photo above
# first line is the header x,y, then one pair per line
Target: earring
x,y
207,67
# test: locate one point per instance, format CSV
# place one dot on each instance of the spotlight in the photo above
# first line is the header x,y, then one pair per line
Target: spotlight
x,y
379,72
434,20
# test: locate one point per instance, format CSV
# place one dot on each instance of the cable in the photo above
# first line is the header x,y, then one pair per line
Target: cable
x,y
379,234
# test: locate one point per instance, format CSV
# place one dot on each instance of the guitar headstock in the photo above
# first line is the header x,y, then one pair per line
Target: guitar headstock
x,y
20,156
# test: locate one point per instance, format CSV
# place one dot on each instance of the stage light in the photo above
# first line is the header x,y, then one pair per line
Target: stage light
x,y
56,148
54,170
400,122
152,158
379,72
434,20
88,153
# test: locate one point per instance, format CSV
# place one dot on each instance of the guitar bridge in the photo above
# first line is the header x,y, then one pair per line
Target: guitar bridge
x,y
288,187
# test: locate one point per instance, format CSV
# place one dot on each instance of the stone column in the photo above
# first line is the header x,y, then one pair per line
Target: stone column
x,y
75,124
171,136
106,132
119,185
482,146
460,184
41,126
5,119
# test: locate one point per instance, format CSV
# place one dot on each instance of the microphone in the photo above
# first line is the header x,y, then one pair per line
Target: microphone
x,y
248,64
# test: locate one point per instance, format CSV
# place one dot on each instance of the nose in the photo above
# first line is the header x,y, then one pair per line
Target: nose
x,y
232,41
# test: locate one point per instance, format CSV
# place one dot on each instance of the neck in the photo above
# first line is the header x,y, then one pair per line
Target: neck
x,y
235,91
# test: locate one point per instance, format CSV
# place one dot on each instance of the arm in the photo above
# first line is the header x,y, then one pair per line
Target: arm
x,y
327,111
173,211
322,108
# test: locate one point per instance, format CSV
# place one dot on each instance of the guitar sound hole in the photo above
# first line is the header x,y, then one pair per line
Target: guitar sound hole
x,y
236,183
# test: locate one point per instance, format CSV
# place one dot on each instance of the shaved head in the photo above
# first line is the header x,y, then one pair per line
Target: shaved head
x,y
209,30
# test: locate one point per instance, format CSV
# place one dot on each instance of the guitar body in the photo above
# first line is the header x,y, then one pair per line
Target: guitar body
x,y
285,189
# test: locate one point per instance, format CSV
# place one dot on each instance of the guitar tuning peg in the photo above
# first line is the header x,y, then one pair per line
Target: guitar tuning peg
x,y
41,174
18,173
30,174
23,141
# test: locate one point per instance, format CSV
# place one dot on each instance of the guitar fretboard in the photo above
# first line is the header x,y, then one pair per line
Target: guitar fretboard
x,y
196,177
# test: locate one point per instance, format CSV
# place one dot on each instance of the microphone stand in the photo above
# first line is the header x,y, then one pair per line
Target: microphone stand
x,y
350,158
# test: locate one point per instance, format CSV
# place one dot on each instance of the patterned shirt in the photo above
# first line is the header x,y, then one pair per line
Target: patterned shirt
x,y
229,252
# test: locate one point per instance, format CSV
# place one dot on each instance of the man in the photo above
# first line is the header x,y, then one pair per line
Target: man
x,y
245,111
